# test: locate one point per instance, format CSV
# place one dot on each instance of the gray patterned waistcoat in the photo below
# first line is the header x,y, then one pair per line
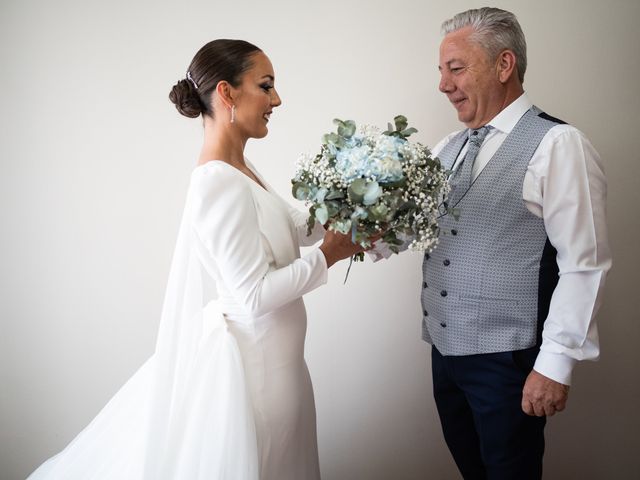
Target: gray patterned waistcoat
x,y
488,285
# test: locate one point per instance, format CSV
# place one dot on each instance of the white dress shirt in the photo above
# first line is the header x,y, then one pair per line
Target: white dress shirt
x,y
564,185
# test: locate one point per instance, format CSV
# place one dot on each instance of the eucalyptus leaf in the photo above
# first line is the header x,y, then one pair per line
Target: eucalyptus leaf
x,y
346,128
359,186
311,222
357,189
333,139
379,211
401,122
322,214
320,195
334,195
300,190
332,208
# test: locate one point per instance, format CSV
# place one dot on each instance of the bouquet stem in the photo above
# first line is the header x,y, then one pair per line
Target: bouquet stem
x,y
358,257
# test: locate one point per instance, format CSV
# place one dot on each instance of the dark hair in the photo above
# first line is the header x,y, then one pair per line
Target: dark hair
x,y
218,60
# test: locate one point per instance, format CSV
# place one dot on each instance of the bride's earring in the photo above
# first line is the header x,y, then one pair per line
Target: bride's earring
x,y
233,113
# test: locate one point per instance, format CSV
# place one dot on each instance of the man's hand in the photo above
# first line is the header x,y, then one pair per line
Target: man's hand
x,y
542,396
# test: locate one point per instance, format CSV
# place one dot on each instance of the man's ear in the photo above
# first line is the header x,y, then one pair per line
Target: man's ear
x,y
506,66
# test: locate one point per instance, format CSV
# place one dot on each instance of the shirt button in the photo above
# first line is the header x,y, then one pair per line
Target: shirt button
x,y
446,262
443,325
443,293
424,284
454,231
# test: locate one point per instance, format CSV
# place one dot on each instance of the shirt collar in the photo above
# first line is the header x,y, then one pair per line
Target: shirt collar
x,y
509,116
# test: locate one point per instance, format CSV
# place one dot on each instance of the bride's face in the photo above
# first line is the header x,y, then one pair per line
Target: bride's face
x,y
256,97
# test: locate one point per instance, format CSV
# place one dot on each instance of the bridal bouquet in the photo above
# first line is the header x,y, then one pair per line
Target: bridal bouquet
x,y
366,181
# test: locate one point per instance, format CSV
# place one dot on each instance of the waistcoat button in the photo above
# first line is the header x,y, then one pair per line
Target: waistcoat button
x,y
446,262
443,293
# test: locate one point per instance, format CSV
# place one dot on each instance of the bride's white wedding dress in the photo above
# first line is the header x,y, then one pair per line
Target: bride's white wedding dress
x,y
227,394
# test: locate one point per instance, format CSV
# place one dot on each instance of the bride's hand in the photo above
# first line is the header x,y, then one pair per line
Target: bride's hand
x,y
337,246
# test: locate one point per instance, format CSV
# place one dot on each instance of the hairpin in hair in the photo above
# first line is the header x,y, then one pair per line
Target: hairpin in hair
x,y
190,78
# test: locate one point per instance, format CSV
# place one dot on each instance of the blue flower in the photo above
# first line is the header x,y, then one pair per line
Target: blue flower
x,y
387,169
353,162
386,161
387,145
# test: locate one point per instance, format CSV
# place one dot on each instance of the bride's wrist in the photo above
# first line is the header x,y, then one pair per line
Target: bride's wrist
x,y
329,258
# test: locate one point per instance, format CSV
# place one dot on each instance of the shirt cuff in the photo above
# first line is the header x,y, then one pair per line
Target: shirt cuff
x,y
555,366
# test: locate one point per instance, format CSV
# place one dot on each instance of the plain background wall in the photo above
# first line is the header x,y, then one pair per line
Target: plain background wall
x,y
94,165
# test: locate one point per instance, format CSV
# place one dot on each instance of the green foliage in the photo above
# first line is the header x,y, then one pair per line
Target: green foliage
x,y
311,221
379,212
334,195
322,214
334,139
401,128
301,191
357,190
346,128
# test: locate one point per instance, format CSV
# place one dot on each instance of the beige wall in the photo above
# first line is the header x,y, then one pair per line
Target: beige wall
x,y
94,166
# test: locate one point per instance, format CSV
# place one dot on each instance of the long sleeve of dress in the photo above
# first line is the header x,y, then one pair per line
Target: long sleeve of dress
x,y
226,222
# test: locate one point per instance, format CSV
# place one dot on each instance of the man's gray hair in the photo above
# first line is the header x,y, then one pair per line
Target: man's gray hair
x,y
494,30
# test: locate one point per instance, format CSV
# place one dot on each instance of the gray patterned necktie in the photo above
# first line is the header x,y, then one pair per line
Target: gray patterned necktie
x,y
462,177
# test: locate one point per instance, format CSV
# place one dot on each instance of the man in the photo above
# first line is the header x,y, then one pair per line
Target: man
x,y
510,294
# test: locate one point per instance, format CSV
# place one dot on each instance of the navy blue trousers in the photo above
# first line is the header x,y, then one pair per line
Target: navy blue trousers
x,y
479,402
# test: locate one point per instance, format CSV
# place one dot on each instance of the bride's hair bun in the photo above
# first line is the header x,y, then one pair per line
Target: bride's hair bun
x,y
186,99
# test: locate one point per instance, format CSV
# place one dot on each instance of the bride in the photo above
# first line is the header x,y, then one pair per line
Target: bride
x,y
227,393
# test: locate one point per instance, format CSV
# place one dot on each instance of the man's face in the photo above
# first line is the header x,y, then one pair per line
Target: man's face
x,y
469,79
